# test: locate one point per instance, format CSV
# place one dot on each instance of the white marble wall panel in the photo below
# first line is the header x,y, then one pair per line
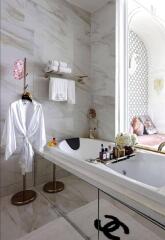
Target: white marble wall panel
x,y
103,69
41,30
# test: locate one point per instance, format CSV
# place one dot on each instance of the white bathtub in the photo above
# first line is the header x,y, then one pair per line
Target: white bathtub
x,y
146,168
138,187
89,148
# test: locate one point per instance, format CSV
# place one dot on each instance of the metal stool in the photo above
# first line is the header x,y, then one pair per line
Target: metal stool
x,y
54,186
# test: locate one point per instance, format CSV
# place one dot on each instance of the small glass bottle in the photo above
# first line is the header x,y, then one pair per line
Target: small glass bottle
x,y
104,154
110,152
107,154
101,152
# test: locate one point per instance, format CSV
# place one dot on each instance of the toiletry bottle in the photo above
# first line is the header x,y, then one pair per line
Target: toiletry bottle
x,y
104,154
115,152
101,152
110,152
102,147
107,154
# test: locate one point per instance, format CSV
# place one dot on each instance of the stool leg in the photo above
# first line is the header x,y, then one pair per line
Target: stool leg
x,y
25,196
54,186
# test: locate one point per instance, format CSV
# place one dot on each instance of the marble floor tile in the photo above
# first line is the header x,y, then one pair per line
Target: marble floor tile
x,y
58,229
76,194
47,207
18,221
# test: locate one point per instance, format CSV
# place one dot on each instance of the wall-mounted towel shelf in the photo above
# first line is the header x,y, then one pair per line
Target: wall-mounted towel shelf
x,y
69,76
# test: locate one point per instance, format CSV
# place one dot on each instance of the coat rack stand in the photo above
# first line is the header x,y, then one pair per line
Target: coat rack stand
x,y
54,186
25,196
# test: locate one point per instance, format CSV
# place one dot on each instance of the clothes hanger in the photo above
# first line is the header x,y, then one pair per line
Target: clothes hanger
x,y
26,95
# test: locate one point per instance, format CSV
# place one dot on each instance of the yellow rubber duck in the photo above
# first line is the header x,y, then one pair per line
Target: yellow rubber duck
x,y
52,143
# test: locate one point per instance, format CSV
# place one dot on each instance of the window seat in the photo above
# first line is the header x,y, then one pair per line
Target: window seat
x,y
151,140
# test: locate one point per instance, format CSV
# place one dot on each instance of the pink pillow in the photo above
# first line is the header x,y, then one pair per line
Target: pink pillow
x,y
148,125
138,127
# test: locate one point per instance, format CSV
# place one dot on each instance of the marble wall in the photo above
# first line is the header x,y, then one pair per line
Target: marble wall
x,y
103,69
41,30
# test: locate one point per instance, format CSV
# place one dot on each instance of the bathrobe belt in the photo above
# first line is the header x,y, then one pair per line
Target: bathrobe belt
x,y
28,154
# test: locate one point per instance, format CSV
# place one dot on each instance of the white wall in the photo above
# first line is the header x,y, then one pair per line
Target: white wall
x,y
156,107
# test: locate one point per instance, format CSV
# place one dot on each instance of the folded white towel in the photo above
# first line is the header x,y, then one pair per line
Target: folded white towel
x,y
71,92
53,63
58,89
51,68
63,64
65,70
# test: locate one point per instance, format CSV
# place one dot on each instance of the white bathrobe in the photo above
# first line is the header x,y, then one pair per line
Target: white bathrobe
x,y
24,128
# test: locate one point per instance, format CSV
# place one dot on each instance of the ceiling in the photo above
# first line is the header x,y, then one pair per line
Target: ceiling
x,y
89,5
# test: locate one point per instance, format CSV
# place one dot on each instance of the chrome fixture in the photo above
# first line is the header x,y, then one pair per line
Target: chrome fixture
x,y
161,146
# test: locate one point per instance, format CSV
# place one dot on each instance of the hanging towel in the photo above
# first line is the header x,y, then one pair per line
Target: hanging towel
x,y
71,92
51,68
53,63
58,89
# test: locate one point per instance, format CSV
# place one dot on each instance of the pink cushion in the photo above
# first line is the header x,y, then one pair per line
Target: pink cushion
x,y
148,125
151,140
138,127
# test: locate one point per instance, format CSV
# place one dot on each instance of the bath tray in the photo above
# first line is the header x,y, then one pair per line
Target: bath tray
x,y
106,162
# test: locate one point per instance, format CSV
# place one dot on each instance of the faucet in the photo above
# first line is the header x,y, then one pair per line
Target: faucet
x,y
161,146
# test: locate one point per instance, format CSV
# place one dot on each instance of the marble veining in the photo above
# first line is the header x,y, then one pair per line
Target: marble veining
x,y
59,227
103,69
76,194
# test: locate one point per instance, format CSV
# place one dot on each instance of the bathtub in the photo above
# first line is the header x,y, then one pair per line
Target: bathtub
x,y
89,148
133,180
146,168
